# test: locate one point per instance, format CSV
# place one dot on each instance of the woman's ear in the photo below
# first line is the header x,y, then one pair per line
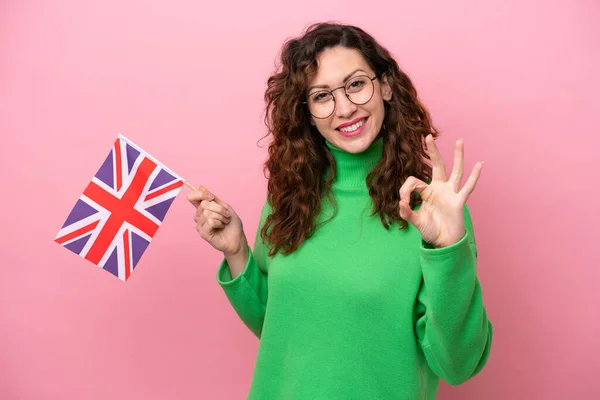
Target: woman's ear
x,y
386,89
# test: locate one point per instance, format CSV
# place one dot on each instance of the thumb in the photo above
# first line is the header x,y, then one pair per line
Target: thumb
x,y
198,195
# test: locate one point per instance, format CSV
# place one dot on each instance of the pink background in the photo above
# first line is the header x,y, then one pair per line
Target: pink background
x,y
185,81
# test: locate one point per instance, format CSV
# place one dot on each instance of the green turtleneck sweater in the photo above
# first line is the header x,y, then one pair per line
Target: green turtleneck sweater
x,y
358,311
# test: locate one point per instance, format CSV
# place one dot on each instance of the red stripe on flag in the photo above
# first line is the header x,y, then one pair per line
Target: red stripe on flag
x,y
118,164
142,174
104,239
127,257
166,189
78,232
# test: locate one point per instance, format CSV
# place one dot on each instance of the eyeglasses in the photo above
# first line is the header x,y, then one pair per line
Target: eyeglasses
x,y
359,90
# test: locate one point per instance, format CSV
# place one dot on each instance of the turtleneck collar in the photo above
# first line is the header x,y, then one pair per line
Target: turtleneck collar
x,y
352,169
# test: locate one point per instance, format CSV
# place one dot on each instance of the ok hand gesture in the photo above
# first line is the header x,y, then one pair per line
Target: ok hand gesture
x,y
440,219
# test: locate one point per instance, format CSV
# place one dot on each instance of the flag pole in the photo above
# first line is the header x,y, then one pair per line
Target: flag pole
x,y
189,185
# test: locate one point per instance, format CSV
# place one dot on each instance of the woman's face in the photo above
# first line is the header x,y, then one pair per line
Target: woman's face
x,y
350,127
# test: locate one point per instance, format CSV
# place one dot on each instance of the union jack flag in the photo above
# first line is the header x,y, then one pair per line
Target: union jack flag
x,y
116,217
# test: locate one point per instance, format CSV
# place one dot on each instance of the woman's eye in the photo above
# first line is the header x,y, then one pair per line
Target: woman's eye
x,y
321,96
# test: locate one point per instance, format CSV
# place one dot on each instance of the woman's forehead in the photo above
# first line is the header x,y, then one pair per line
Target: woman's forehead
x,y
336,64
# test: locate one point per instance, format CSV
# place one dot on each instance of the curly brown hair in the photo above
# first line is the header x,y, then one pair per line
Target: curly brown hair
x,y
298,156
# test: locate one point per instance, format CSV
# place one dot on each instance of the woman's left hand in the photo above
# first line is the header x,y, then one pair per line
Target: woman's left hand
x,y
440,219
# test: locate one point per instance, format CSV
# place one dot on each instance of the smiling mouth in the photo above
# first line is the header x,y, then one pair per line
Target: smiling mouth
x,y
351,128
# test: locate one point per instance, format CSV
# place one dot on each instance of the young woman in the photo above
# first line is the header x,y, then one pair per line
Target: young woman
x,y
362,281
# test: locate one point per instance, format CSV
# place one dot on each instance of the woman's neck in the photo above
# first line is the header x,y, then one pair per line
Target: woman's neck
x,y
352,169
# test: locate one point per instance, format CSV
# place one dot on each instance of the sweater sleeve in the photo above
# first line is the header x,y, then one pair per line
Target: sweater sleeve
x,y
451,320
247,292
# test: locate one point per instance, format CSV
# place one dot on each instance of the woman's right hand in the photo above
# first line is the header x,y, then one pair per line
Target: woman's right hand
x,y
218,223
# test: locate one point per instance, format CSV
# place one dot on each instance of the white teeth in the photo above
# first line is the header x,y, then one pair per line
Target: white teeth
x,y
354,127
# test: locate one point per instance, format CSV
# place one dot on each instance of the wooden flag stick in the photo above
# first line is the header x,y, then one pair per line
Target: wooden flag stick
x,y
189,185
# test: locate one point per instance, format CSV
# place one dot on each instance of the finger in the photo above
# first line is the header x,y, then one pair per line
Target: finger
x,y
197,196
208,214
210,225
407,214
208,209
471,182
457,168
224,204
411,184
216,207
437,162
199,217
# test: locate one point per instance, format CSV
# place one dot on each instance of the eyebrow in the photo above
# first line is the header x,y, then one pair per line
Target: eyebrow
x,y
345,79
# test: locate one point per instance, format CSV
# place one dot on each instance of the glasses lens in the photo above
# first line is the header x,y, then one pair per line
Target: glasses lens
x,y
360,89
321,104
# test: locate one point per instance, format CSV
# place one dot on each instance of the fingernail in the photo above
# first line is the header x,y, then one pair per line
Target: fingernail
x,y
211,196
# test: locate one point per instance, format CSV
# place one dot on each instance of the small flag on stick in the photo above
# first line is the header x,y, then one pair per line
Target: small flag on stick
x,y
119,212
